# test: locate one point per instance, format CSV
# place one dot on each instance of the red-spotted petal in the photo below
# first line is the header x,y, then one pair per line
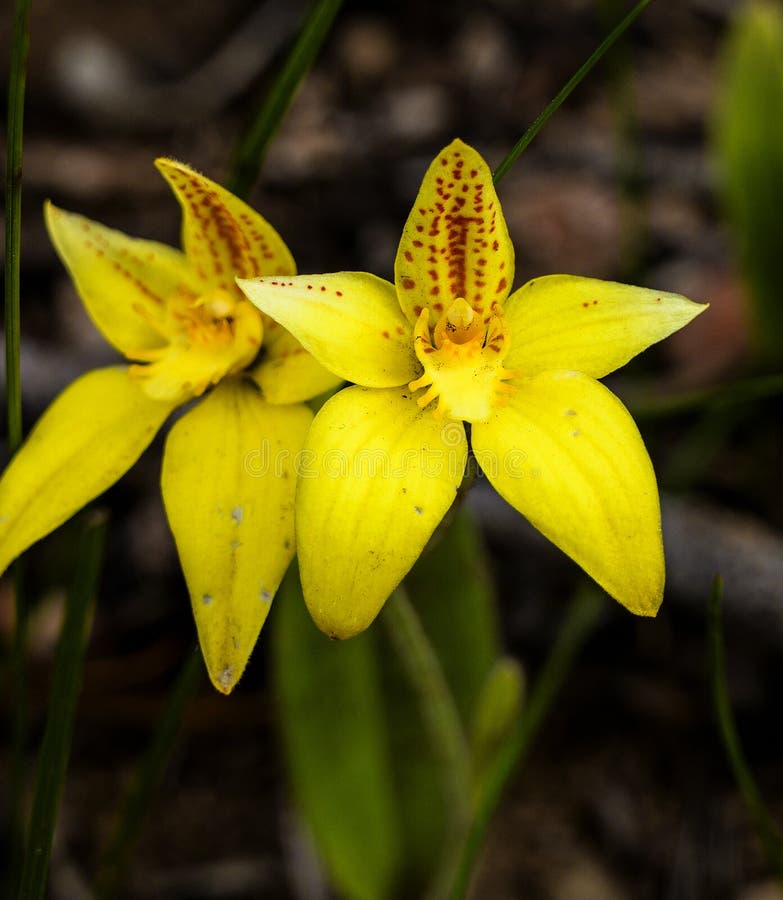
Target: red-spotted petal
x,y
455,242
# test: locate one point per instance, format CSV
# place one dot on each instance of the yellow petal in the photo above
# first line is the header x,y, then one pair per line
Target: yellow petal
x,y
455,242
287,373
567,455
349,321
592,326
377,476
223,236
123,282
228,486
90,436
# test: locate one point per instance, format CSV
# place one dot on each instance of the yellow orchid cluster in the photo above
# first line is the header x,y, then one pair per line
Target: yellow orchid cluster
x,y
370,478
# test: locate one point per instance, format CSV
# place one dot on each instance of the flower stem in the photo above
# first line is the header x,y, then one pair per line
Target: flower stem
x,y
443,724
12,314
551,108
253,146
112,868
767,829
66,683
580,620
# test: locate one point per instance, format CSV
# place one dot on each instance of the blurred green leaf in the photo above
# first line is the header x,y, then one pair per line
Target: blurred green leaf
x,y
253,146
748,139
452,594
333,720
367,780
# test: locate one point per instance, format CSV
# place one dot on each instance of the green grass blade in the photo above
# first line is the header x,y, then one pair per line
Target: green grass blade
x,y
13,219
767,829
253,146
12,315
147,778
551,108
580,620
332,711
66,684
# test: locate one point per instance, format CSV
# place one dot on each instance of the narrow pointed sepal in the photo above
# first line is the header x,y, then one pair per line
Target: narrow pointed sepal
x,y
228,486
588,325
378,475
567,455
125,283
89,437
350,321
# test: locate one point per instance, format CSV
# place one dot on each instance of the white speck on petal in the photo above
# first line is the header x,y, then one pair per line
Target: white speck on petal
x,y
418,510
236,514
265,595
207,599
226,677
234,545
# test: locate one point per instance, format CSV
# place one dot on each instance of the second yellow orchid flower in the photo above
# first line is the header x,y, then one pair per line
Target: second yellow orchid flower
x,y
184,325
446,344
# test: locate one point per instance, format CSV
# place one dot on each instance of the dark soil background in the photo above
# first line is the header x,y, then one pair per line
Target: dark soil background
x,y
626,795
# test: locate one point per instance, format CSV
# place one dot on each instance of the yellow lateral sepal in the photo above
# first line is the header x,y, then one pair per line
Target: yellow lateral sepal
x,y
566,454
228,486
89,437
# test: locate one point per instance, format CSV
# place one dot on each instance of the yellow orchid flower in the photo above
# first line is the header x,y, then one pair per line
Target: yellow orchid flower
x,y
228,467
446,345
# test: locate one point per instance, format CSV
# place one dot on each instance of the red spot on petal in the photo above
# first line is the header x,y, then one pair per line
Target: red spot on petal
x,y
408,283
409,256
386,335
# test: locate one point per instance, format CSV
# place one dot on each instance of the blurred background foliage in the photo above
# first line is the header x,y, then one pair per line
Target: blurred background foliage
x,y
666,166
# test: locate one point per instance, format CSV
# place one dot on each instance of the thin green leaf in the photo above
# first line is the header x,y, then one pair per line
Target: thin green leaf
x,y
748,139
332,717
551,108
253,146
146,780
66,684
768,831
13,220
